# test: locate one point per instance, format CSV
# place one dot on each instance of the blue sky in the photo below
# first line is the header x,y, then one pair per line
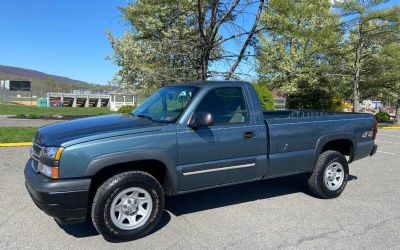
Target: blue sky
x,y
62,37
65,37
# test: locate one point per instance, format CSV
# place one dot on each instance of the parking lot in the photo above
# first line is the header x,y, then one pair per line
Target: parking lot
x,y
277,213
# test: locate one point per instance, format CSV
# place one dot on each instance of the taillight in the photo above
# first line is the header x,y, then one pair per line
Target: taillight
x,y
375,128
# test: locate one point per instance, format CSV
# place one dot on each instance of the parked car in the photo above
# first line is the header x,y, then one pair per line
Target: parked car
x,y
116,169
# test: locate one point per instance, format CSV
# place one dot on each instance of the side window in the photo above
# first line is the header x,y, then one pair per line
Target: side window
x,y
227,105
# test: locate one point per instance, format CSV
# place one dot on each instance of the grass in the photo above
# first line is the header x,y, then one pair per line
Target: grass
x,y
14,134
50,112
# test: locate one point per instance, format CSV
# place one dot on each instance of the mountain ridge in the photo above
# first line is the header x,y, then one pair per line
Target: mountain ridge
x,y
30,74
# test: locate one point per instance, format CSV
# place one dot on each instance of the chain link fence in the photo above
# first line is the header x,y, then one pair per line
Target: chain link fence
x,y
5,97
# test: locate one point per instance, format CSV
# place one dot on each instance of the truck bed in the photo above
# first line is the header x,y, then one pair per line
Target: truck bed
x,y
294,136
301,113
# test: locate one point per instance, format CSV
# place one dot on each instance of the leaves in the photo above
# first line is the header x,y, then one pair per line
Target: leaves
x,y
314,53
294,54
177,41
159,47
265,96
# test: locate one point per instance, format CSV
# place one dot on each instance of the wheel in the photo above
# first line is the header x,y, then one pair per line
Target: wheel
x,y
127,206
330,175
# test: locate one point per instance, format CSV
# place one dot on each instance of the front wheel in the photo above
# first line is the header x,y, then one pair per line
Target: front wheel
x,y
330,175
127,206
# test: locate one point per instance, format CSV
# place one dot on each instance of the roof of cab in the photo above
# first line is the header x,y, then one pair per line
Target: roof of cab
x,y
208,83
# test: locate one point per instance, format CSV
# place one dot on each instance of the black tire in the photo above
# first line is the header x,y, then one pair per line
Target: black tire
x,y
316,180
106,193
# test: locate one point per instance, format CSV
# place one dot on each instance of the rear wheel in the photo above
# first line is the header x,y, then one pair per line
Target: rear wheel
x,y
330,175
127,206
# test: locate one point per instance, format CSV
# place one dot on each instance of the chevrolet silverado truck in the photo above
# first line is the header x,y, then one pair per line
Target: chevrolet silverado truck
x,y
116,169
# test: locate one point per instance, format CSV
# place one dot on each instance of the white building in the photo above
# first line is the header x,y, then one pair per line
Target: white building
x,y
5,84
122,97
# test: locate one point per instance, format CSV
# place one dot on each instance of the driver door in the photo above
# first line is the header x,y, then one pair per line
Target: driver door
x,y
224,152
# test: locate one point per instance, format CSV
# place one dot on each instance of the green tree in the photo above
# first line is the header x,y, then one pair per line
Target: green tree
x,y
297,49
381,78
367,28
265,96
174,41
159,46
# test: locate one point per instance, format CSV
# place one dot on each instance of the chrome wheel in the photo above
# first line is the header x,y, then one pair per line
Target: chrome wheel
x,y
131,208
334,176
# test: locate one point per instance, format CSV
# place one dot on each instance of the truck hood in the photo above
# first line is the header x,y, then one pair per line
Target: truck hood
x,y
92,128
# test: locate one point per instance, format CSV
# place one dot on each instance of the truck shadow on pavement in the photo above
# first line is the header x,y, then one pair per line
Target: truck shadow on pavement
x,y
87,228
236,194
214,198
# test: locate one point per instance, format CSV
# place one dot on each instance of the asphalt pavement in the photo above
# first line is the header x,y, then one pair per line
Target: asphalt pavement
x,y
272,214
9,121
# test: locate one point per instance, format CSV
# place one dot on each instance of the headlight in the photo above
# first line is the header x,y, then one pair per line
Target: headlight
x,y
52,153
49,161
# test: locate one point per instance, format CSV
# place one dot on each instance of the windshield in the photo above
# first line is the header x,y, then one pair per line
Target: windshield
x,y
167,104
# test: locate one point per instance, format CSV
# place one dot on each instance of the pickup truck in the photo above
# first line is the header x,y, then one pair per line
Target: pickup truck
x,y
116,169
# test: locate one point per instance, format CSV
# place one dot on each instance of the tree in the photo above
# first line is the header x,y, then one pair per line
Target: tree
x,y
265,96
296,50
159,46
382,76
211,16
367,27
174,41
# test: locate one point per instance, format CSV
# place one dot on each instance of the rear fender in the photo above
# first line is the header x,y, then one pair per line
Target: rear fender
x,y
322,141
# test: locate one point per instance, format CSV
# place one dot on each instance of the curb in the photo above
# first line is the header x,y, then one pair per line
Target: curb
x,y
394,127
16,144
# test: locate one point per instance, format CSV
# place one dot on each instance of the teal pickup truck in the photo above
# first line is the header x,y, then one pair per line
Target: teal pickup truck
x,y
117,169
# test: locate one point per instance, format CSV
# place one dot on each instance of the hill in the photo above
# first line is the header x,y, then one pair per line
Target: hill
x,y
42,82
16,72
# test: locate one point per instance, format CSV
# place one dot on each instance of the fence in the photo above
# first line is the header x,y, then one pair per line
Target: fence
x,y
5,97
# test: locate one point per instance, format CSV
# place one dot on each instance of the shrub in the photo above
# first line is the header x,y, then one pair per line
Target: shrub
x,y
265,96
126,109
382,116
315,100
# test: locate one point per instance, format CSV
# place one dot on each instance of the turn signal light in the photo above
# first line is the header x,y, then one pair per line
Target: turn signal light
x,y
55,173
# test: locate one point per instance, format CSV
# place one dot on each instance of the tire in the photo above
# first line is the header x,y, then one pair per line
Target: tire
x,y
325,181
127,206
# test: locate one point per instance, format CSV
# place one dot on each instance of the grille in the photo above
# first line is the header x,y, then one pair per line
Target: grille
x,y
35,155
36,148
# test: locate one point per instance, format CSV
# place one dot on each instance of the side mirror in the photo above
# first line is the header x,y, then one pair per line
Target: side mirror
x,y
201,119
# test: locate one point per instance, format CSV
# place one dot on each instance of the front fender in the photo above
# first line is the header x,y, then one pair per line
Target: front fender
x,y
160,155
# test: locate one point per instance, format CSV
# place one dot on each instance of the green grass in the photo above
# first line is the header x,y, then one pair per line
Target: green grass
x,y
49,112
13,134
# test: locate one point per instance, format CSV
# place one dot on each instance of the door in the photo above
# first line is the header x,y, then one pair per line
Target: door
x,y
222,153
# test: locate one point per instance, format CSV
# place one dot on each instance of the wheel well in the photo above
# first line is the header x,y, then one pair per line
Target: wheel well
x,y
344,146
153,167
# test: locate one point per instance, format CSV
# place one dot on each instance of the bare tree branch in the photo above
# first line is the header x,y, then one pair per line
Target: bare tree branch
x,y
247,42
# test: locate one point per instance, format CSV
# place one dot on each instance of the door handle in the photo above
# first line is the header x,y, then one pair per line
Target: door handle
x,y
248,135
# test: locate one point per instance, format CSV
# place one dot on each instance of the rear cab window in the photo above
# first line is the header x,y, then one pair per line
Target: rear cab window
x,y
227,105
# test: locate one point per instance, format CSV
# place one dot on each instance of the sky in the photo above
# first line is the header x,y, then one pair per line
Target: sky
x,y
68,37
61,37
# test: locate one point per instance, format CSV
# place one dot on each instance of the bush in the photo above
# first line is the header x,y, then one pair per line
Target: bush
x,y
127,109
382,117
265,96
315,99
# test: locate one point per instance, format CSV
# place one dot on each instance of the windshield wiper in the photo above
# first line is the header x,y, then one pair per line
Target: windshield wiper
x,y
146,117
